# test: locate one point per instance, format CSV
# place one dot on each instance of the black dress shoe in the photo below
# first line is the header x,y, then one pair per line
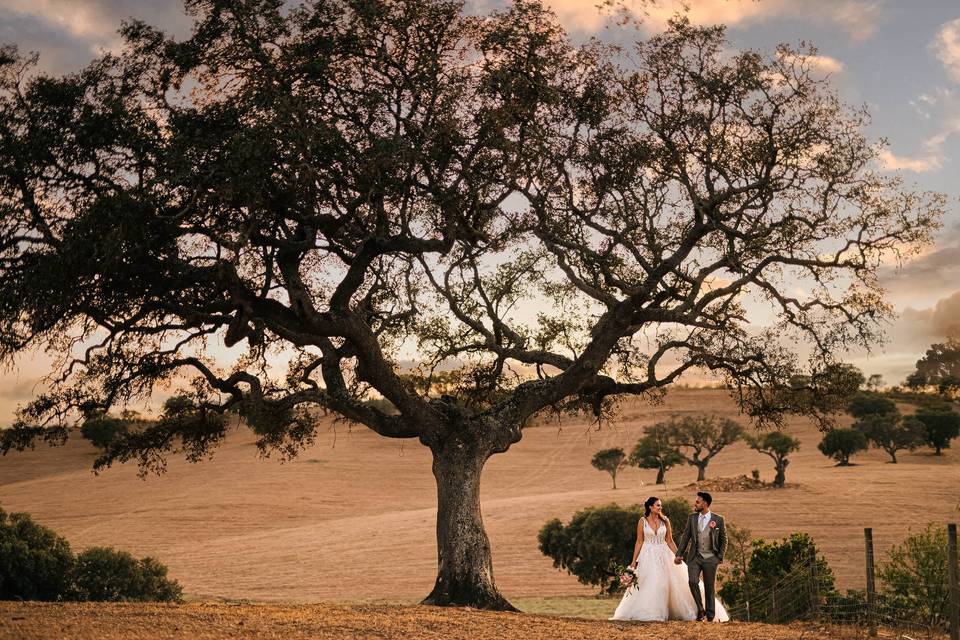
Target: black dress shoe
x,y
701,616
709,618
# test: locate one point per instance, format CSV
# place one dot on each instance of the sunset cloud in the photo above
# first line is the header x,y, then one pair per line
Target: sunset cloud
x,y
858,18
921,164
947,47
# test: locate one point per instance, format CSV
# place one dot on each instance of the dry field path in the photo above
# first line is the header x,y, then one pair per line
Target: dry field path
x,y
207,621
352,518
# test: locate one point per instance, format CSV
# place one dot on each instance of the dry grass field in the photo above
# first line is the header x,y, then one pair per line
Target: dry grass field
x,y
352,519
217,621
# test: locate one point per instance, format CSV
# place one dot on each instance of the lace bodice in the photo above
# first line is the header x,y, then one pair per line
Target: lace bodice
x,y
654,537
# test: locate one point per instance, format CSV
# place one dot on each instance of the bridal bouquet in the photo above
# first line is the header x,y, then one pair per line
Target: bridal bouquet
x,y
626,577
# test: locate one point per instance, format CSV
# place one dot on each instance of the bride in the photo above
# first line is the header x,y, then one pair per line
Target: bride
x,y
662,591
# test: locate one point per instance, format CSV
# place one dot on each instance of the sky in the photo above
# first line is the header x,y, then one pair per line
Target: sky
x,y
900,58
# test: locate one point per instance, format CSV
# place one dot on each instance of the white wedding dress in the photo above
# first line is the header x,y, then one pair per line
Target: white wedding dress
x,y
662,591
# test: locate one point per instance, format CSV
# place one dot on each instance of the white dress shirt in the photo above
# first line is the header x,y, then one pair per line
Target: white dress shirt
x,y
703,519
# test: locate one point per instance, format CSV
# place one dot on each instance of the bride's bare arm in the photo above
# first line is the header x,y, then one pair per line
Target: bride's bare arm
x,y
636,547
670,542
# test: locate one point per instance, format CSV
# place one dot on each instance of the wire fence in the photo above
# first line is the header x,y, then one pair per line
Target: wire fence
x,y
803,595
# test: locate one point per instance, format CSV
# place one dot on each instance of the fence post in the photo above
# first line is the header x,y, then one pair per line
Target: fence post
x,y
871,586
954,587
774,613
814,583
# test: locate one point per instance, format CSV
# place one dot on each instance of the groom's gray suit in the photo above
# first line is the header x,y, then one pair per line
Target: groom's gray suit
x,y
703,551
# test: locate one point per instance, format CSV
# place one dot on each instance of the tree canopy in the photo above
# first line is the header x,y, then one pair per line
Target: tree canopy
x,y
350,184
939,367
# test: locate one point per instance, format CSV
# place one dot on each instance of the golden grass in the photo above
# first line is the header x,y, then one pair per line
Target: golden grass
x,y
219,621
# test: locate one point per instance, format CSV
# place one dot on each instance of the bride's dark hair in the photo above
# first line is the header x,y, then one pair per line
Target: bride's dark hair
x,y
652,500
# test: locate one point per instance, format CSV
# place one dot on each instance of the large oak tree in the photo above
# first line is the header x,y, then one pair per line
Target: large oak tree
x,y
355,182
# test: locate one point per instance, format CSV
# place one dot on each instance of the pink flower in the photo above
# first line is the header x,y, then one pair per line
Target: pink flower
x,y
713,524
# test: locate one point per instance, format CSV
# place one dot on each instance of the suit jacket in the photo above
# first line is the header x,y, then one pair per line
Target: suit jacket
x,y
689,543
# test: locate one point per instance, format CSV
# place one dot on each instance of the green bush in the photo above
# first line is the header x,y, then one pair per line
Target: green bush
x,y
768,564
595,540
915,576
102,429
35,563
104,574
677,511
601,537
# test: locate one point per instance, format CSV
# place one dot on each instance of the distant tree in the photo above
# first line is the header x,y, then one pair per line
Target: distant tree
x,y
611,461
778,445
102,428
35,562
915,576
703,437
830,390
840,444
892,432
656,451
939,368
346,179
869,404
875,382
941,424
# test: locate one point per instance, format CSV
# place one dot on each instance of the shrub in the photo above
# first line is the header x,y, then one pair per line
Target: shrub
x,y
677,510
35,563
915,576
101,429
595,540
769,563
104,574
601,537
840,444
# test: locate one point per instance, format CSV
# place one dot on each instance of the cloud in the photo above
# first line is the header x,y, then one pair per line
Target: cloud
x,y
858,18
946,45
928,275
923,164
70,33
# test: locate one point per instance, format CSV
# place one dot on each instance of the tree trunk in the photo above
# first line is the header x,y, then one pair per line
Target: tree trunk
x,y
701,472
660,473
781,477
614,476
465,565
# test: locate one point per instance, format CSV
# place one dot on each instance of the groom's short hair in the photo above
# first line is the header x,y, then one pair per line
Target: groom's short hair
x,y
706,497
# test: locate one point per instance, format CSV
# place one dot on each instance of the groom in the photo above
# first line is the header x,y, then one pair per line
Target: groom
x,y
706,538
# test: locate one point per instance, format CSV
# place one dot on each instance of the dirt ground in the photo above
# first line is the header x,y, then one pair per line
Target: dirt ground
x,y
352,518
84,621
